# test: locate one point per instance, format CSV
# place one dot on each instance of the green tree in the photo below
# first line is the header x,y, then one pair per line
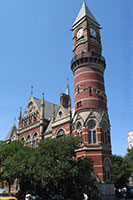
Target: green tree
x,y
17,162
25,162
8,164
121,171
58,169
129,160
52,167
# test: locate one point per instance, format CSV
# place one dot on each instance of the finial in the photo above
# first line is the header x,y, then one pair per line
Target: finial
x,y
84,2
20,113
53,114
31,90
14,121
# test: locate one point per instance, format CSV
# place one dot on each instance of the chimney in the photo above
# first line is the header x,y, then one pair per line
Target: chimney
x,y
65,100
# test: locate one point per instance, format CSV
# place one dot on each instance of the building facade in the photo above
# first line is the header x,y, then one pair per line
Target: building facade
x,y
89,117
130,140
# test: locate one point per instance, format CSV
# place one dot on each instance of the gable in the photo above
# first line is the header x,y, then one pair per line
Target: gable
x,y
62,113
32,107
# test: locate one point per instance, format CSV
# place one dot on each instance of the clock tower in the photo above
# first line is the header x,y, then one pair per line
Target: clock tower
x,y
91,116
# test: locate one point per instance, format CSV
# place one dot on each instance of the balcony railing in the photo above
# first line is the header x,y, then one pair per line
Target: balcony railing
x,y
86,54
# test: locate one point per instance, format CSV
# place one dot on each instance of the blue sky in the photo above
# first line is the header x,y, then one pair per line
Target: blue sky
x,y
36,49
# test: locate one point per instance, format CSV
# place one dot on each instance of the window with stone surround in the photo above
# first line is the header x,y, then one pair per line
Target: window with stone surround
x,y
107,165
92,132
79,129
60,133
28,141
104,134
35,140
79,104
22,139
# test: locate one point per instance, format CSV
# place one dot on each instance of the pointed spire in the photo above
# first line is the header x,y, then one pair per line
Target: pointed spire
x,y
67,88
42,102
42,108
31,91
14,124
42,115
84,2
53,114
84,11
20,114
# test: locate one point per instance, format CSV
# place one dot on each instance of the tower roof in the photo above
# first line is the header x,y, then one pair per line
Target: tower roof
x,y
67,88
12,131
84,11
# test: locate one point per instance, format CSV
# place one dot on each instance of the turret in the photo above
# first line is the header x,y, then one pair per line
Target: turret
x,y
91,116
88,64
20,116
42,113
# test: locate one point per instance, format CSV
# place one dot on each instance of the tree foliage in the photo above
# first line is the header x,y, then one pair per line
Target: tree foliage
x,y
129,158
50,168
121,171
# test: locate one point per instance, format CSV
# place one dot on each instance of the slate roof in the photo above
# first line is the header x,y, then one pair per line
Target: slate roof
x,y
49,127
12,131
84,11
48,109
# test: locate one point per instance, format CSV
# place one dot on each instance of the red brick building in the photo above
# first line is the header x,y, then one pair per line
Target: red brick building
x,y
89,117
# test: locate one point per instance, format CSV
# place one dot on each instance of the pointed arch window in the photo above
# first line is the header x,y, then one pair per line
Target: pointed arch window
x,y
107,165
79,129
92,139
35,140
22,139
28,141
60,133
104,134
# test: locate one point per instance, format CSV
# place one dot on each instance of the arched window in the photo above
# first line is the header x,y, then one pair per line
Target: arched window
x,y
35,140
60,133
79,129
22,139
92,132
104,133
107,165
83,53
28,141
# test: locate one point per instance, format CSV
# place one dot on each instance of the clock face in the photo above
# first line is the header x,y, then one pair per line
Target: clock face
x,y
80,33
93,32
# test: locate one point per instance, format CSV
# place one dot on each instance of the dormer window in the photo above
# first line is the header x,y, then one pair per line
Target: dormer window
x,y
60,113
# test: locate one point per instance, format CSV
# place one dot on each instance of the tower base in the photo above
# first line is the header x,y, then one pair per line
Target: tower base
x,y
107,191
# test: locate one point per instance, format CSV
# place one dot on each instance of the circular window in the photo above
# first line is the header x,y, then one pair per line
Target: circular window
x,y
91,124
60,113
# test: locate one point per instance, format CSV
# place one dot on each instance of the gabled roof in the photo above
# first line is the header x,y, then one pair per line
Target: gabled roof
x,y
48,108
84,11
12,131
